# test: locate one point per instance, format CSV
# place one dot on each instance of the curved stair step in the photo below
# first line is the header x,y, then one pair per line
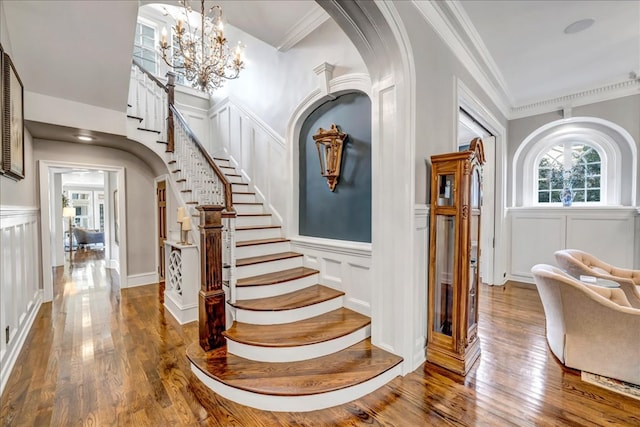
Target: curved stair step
x,y
267,263
266,258
276,283
301,340
303,304
296,386
250,248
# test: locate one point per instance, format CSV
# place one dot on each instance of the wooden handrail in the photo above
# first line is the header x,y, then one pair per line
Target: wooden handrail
x,y
148,73
227,185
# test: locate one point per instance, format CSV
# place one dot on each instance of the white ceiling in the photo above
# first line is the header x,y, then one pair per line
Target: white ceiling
x,y
537,61
81,50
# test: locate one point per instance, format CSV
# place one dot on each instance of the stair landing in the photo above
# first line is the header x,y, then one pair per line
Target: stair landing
x,y
296,386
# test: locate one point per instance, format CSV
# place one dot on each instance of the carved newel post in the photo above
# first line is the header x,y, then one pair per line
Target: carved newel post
x,y
211,300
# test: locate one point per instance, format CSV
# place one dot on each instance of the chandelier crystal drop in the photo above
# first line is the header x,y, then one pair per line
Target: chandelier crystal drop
x,y
201,52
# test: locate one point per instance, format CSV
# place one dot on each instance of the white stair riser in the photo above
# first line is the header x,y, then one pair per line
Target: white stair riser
x,y
266,291
287,316
258,233
268,267
264,249
243,198
239,188
305,403
234,179
228,169
294,354
247,221
248,209
222,162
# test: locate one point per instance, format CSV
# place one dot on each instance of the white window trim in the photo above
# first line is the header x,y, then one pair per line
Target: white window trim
x,y
156,40
595,131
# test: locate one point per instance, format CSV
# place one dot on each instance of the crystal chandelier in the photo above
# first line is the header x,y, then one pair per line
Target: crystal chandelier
x,y
201,53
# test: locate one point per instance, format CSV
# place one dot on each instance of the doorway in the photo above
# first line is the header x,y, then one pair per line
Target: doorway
x,y
53,227
475,120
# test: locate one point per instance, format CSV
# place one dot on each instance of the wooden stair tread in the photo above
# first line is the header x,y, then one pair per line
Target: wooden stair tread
x,y
254,214
245,193
326,327
303,298
247,203
260,242
257,227
277,277
266,258
349,367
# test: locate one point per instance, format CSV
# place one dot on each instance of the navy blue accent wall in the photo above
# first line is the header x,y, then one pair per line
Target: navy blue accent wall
x,y
345,213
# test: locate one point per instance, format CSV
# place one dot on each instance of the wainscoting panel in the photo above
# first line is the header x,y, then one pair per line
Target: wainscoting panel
x,y
535,236
20,282
608,233
257,152
345,266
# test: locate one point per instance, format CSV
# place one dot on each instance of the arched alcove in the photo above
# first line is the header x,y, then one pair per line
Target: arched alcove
x,y
614,143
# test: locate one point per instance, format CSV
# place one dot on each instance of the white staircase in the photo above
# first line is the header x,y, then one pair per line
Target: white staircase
x,y
280,313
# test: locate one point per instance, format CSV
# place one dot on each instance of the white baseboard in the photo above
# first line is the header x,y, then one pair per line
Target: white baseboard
x,y
9,360
142,279
182,313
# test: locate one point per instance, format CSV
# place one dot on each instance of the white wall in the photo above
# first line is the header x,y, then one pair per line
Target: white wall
x,y
20,292
274,83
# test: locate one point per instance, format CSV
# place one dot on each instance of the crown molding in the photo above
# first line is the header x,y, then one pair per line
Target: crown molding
x,y
452,31
456,29
590,96
305,26
466,25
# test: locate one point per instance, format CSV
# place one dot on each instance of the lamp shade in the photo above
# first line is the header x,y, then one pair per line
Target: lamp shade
x,y
68,212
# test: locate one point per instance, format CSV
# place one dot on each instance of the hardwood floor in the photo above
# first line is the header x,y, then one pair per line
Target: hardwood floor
x,y
98,356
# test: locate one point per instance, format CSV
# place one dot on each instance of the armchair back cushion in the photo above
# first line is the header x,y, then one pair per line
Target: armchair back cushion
x,y
586,330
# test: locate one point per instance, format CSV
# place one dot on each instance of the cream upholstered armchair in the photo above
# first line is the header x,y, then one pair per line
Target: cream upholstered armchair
x,y
586,330
579,263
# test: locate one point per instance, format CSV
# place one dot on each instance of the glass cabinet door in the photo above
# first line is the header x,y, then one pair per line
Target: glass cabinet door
x,y
474,252
445,190
444,274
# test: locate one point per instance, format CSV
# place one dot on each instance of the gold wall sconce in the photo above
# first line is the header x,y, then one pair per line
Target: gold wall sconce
x,y
329,144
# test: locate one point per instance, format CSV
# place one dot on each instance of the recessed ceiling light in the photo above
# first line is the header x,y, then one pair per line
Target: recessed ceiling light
x,y
578,26
84,138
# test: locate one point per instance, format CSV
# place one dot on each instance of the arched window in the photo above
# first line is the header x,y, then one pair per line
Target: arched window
x,y
573,165
595,158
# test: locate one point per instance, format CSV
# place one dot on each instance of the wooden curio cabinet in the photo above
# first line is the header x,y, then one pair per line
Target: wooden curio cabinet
x,y
454,258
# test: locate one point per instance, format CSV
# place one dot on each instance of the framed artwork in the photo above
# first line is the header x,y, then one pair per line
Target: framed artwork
x,y
1,108
13,121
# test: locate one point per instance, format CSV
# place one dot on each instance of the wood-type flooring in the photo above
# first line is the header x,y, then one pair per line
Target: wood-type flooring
x,y
98,356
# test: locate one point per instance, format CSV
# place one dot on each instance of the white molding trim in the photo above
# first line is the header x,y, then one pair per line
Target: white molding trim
x,y
11,358
142,279
589,96
448,32
183,313
544,133
472,33
301,29
8,210
233,101
45,168
454,31
343,247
